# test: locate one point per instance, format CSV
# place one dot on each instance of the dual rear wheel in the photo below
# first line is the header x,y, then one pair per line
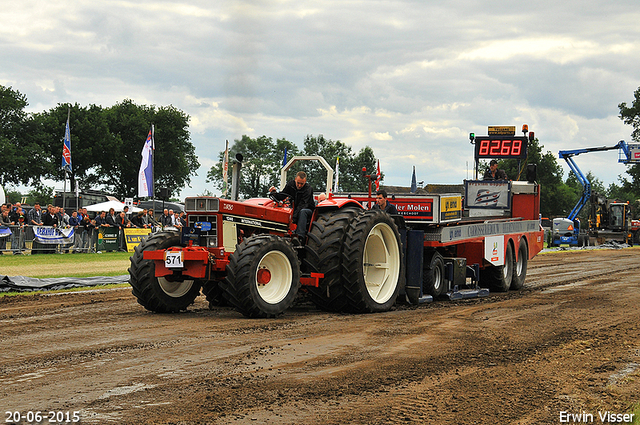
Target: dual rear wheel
x,y
360,254
512,274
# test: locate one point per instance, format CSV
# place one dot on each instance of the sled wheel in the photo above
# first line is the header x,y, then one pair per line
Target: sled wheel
x,y
520,269
372,263
433,276
325,242
263,276
498,278
166,294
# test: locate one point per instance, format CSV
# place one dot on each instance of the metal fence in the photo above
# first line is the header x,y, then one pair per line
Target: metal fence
x,y
48,240
22,240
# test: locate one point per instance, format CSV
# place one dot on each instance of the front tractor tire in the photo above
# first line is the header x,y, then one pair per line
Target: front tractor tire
x,y
263,276
168,294
372,262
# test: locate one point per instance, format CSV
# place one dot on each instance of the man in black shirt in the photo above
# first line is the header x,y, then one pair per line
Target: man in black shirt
x,y
50,218
383,204
493,173
303,202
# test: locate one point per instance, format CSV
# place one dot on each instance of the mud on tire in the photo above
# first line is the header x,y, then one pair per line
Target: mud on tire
x,y
372,263
163,294
263,276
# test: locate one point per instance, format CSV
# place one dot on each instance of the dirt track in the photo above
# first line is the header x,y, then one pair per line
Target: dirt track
x,y
570,341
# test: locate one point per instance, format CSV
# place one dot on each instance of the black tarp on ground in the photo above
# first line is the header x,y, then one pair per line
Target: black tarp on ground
x,y
26,284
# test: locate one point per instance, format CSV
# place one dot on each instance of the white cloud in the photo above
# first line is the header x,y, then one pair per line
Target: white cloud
x,y
410,79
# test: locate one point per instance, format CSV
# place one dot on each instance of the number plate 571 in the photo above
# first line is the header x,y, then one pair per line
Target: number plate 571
x,y
173,259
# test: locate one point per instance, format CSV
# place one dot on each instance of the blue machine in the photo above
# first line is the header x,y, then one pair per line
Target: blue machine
x,y
567,230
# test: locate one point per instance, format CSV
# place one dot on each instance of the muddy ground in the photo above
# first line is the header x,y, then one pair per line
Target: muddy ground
x,y
569,342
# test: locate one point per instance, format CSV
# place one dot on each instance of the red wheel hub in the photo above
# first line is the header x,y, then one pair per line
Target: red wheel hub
x,y
264,276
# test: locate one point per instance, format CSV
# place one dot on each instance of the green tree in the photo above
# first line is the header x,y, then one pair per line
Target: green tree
x,y
106,145
89,133
350,168
263,160
40,193
631,115
21,157
577,189
261,163
12,195
556,199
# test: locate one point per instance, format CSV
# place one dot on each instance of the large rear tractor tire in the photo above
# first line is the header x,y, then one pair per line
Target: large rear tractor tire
x,y
167,294
520,269
325,242
372,263
433,275
263,276
499,278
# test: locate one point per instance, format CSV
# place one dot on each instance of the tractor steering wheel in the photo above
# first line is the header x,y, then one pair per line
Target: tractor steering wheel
x,y
281,198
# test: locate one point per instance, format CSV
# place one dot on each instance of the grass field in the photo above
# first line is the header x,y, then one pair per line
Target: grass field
x,y
65,265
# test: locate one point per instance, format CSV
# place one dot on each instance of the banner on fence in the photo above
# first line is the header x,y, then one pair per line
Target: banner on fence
x,y
107,239
134,237
53,235
4,232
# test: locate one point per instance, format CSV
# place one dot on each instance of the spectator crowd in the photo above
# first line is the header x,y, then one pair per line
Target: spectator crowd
x,y
21,224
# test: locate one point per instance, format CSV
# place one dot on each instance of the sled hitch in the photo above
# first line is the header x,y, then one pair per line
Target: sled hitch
x,y
473,273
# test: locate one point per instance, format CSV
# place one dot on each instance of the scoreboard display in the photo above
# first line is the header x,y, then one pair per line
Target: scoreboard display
x,y
500,147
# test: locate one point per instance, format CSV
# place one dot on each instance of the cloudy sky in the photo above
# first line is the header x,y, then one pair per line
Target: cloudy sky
x,y
411,79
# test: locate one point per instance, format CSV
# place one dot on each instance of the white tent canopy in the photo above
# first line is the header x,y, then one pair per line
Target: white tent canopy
x,y
106,206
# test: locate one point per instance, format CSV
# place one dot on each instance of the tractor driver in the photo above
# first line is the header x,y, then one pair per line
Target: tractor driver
x,y
383,204
303,203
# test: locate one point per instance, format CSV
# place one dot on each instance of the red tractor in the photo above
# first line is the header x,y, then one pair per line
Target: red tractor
x,y
243,254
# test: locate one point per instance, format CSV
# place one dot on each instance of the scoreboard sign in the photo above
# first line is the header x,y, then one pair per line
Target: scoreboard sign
x,y
500,147
502,130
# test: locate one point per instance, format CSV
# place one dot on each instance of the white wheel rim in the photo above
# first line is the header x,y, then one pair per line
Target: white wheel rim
x,y
175,289
381,263
508,264
520,263
437,278
279,284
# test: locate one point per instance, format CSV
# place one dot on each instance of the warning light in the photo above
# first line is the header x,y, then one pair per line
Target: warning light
x,y
525,128
532,136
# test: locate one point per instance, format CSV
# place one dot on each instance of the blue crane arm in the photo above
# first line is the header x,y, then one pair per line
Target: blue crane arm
x,y
586,188
586,185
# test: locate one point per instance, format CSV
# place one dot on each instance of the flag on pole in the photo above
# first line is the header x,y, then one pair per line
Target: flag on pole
x,y
414,185
145,175
336,181
378,176
225,169
66,149
284,161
